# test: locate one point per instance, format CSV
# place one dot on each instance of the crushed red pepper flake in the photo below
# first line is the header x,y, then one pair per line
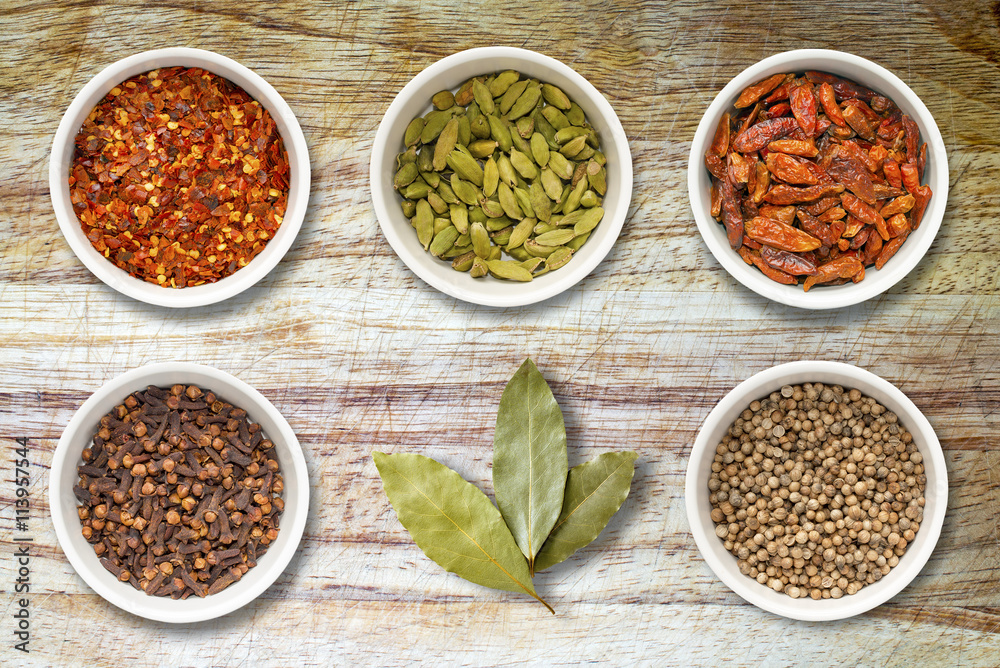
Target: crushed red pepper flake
x,y
179,177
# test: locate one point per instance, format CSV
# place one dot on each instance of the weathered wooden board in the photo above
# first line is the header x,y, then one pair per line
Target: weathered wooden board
x,y
360,355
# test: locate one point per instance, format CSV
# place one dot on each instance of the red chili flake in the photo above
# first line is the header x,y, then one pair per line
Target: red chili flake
x,y
179,177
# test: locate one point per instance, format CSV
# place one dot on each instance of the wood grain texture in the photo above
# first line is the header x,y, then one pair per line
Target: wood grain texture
x,y
359,354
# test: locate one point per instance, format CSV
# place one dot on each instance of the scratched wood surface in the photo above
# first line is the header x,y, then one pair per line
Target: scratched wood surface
x,y
359,354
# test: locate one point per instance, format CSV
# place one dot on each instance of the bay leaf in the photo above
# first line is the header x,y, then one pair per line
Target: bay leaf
x,y
529,459
595,490
454,523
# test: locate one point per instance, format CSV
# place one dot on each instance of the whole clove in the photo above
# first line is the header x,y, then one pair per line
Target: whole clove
x,y
180,493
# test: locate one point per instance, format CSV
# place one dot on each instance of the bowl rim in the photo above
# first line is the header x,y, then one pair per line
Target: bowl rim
x,y
519,294
723,564
195,609
876,281
299,176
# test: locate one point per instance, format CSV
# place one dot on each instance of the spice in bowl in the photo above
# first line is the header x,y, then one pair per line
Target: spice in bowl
x,y
504,177
179,177
817,491
180,493
816,178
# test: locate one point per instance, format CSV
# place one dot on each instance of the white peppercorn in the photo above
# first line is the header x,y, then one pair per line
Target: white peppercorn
x,y
817,490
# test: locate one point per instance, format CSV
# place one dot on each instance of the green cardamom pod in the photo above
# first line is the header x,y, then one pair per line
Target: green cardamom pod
x,y
491,207
409,208
523,164
465,191
529,98
573,146
555,96
482,148
524,201
437,203
539,149
424,222
480,240
575,115
500,133
525,126
507,172
508,202
433,179
446,193
578,241
502,237
552,184
532,263
441,223
464,131
558,258
598,181
571,132
502,82
459,218
480,127
445,144
511,95
509,270
535,249
406,175
412,134
463,262
491,177
561,165
479,267
589,199
556,118
466,166
555,237
416,190
540,202
589,220
443,100
443,240
518,254
483,98
434,123
464,96
522,232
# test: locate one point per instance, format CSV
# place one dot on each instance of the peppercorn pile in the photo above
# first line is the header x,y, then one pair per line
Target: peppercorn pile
x,y
180,493
179,177
817,491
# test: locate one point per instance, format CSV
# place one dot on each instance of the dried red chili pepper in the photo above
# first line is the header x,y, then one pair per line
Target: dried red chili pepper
x,y
179,177
837,188
756,91
758,136
803,104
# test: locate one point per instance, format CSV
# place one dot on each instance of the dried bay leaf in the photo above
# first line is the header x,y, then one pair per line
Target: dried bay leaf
x,y
454,523
529,460
595,491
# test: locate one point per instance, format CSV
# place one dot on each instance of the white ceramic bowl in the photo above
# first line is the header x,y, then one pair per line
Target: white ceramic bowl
x,y
62,158
414,100
699,507
867,74
79,434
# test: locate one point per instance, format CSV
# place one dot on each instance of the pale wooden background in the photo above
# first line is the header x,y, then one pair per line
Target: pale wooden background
x,y
360,355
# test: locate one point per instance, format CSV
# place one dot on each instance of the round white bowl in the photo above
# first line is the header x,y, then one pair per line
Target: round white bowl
x,y
699,508
867,74
260,90
415,100
79,434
